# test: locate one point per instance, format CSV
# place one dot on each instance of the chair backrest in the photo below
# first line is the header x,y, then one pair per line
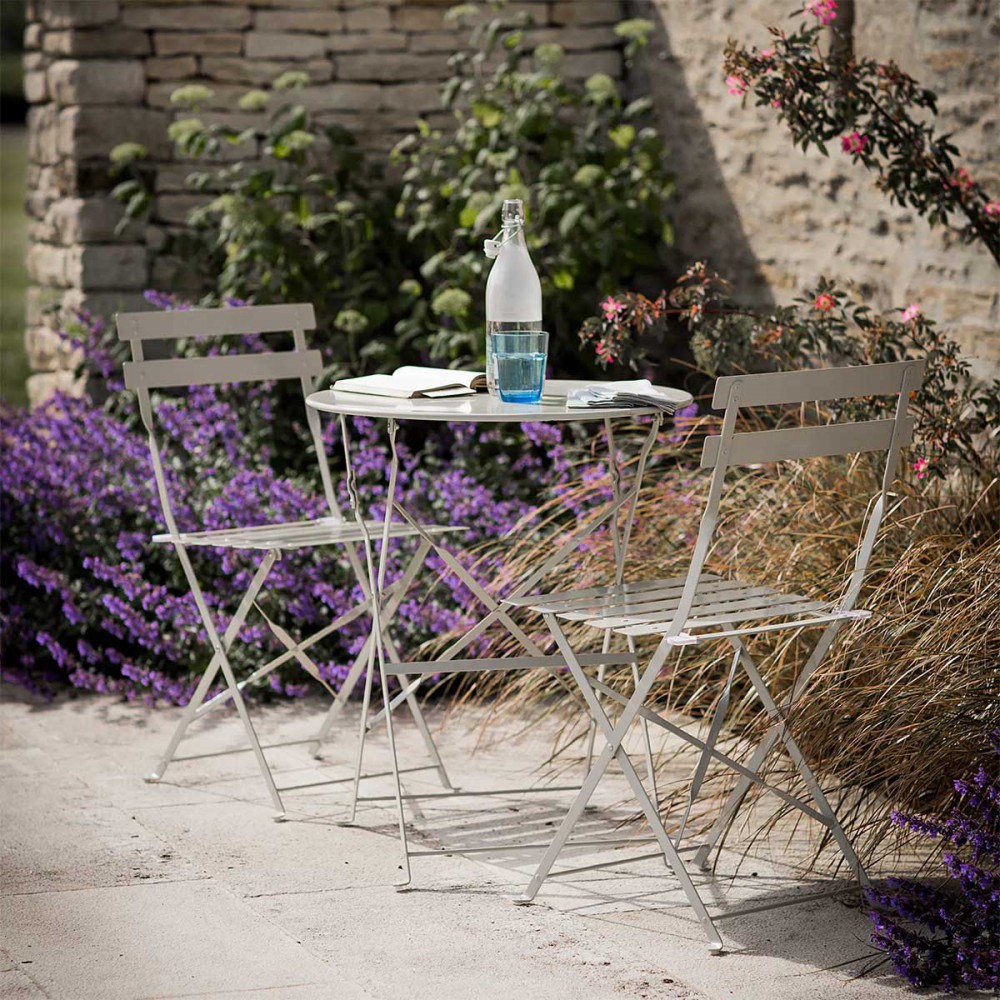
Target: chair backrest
x,y
142,375
731,447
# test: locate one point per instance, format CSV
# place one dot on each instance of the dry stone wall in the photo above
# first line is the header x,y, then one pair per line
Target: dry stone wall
x,y
100,72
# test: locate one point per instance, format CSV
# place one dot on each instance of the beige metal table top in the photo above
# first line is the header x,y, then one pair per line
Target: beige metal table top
x,y
483,408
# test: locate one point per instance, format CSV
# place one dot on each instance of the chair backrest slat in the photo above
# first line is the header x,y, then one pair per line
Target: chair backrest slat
x,y
776,388
728,448
173,372
753,447
257,365
177,323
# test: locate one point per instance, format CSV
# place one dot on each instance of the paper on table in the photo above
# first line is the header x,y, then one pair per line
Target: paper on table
x,y
634,392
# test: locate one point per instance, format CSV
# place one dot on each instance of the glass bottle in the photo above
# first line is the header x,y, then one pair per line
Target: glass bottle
x,y
513,291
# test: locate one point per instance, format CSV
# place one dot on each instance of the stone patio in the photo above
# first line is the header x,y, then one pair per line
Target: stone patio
x,y
113,888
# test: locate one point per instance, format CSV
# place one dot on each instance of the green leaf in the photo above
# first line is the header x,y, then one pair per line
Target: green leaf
x,y
570,218
622,136
563,279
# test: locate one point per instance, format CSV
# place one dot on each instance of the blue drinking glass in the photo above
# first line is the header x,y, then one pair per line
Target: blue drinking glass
x,y
520,356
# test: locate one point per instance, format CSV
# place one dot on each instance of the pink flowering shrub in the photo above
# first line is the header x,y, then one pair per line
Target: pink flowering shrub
x,y
884,119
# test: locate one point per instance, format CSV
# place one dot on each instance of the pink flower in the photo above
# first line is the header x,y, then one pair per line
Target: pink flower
x,y
853,143
737,85
963,179
603,352
911,312
766,53
776,103
920,467
612,307
824,302
824,11
993,208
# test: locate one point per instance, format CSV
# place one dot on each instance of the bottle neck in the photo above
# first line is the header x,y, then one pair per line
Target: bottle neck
x,y
513,232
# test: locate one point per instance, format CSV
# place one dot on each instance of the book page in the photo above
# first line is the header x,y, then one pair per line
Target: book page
x,y
417,377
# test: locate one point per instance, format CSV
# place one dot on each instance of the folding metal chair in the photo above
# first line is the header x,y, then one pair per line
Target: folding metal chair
x,y
271,540
701,607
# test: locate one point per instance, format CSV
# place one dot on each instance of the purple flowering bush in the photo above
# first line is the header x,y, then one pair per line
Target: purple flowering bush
x,y
89,601
949,935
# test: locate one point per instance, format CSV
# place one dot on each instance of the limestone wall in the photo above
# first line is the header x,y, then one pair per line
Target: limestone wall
x,y
99,72
774,218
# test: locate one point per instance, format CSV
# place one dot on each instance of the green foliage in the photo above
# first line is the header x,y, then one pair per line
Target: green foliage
x,y
957,419
589,168
397,273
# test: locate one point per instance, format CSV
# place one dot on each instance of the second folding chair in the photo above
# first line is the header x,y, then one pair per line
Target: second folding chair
x,y
701,607
269,540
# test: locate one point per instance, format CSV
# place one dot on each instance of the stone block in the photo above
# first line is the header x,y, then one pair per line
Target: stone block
x,y
283,45
179,43
48,265
224,96
88,220
43,134
368,18
42,190
96,81
436,41
174,208
393,68
319,21
97,42
77,13
200,17
91,132
36,88
33,37
342,97
419,18
372,41
576,39
261,71
31,62
412,97
44,385
580,65
586,11
107,266
171,67
48,350
102,303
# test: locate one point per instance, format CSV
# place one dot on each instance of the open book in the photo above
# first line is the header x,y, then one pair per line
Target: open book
x,y
411,381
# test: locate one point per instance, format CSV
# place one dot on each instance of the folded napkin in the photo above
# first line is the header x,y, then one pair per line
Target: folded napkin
x,y
637,392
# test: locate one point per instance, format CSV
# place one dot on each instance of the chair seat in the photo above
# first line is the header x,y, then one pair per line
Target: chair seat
x,y
648,608
298,534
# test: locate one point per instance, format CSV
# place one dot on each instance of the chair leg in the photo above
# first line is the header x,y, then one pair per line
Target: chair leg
x,y
191,709
227,670
362,731
614,747
805,771
706,755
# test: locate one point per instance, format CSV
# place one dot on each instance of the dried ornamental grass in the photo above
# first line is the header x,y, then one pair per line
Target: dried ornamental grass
x,y
903,702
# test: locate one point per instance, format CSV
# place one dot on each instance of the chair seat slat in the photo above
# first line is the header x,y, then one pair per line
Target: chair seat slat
x,y
568,596
669,599
300,534
708,608
759,614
